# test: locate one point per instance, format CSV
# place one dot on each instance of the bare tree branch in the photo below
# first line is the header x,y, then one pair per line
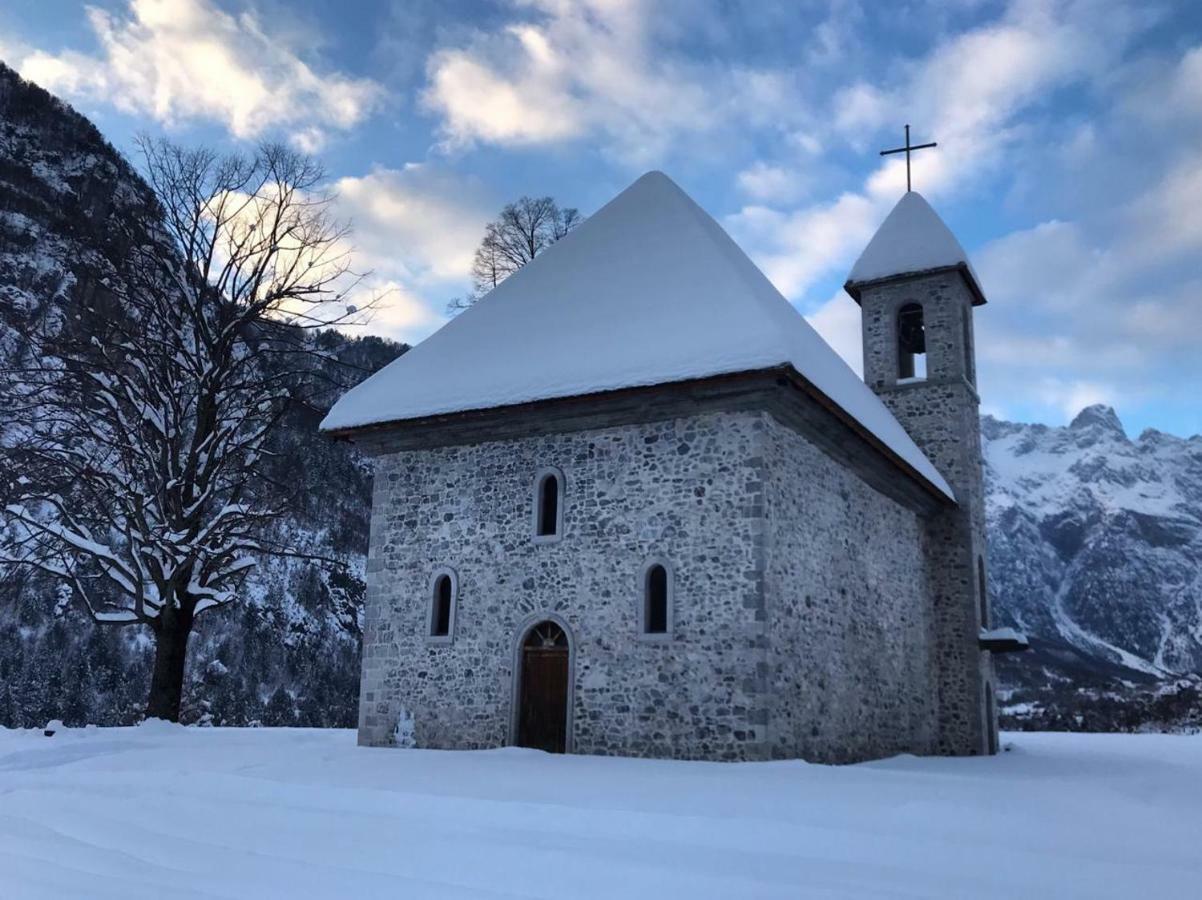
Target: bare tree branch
x,y
521,232
136,426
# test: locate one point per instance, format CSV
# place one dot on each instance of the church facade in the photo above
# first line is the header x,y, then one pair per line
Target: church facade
x,y
667,547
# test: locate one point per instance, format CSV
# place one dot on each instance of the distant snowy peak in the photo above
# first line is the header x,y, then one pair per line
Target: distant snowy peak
x,y
1092,460
1098,416
911,239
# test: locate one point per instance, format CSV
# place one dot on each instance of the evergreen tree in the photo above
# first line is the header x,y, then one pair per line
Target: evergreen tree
x,y
279,712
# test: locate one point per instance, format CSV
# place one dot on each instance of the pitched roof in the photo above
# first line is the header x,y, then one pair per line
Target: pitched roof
x,y
911,239
647,291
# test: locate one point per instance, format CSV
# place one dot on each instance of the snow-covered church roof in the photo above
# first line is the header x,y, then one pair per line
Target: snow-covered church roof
x,y
911,239
649,290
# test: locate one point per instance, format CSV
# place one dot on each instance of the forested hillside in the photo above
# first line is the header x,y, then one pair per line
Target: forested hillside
x,y
290,652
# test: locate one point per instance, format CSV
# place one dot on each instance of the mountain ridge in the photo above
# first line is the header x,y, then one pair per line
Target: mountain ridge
x,y
1095,542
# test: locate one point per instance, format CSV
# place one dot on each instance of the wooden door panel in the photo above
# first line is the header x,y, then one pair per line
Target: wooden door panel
x,y
543,715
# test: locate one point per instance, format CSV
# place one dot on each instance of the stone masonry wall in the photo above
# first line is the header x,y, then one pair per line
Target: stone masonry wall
x,y
689,492
941,414
850,665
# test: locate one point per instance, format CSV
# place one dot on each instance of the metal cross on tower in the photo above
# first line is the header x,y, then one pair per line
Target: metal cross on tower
x,y
907,150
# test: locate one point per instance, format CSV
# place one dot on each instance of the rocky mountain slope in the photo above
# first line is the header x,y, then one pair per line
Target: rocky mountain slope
x,y
1095,548
1095,540
68,207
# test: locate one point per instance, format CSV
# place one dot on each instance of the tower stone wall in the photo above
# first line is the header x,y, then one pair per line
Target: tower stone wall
x,y
941,414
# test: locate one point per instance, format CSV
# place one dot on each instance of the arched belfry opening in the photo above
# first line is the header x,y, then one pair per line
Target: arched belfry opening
x,y
544,677
911,343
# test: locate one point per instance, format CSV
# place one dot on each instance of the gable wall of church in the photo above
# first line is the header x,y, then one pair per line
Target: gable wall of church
x,y
689,492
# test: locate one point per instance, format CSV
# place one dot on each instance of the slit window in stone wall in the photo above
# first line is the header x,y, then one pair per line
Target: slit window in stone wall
x,y
442,605
548,505
911,343
657,601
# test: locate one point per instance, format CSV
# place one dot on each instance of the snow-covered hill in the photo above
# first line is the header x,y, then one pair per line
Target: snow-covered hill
x,y
1095,542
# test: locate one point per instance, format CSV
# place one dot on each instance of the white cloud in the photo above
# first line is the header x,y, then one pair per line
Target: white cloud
x,y
416,229
1070,397
399,313
179,60
969,91
1167,220
772,183
412,234
420,221
838,322
525,101
800,247
571,70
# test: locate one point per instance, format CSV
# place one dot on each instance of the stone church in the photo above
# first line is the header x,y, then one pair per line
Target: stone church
x,y
631,503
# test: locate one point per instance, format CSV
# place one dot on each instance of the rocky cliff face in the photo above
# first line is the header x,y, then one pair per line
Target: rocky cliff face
x,y
1095,540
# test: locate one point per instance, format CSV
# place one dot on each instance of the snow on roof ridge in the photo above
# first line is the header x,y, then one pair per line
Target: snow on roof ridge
x,y
912,238
649,290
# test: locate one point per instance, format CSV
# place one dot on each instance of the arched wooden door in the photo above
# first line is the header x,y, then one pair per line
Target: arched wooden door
x,y
543,689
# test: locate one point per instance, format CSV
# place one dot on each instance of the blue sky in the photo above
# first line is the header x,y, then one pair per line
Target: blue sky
x,y
1069,165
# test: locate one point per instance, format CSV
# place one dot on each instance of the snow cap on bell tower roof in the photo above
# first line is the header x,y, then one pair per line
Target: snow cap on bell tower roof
x,y
911,240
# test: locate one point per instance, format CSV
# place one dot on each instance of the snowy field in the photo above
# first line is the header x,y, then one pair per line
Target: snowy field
x,y
162,811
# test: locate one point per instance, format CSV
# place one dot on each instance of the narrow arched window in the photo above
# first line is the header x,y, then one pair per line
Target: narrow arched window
x,y
657,601
548,505
983,593
911,343
443,588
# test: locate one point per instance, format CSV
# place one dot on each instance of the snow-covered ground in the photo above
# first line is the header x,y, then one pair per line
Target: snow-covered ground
x,y
162,811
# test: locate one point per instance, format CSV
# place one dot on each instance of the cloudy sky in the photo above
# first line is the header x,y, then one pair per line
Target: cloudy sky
x,y
1069,160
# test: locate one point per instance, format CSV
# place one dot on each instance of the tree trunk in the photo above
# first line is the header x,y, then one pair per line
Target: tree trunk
x,y
171,651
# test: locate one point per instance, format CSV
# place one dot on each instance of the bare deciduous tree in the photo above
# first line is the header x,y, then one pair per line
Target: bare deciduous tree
x,y
136,422
521,232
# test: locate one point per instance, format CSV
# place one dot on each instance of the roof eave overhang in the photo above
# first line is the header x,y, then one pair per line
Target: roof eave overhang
x,y
804,384
1017,644
854,288
783,374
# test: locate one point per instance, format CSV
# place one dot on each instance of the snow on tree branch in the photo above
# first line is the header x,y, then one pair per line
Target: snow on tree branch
x,y
135,425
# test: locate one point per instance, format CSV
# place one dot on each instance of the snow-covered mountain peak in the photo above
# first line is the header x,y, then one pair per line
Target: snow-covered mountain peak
x,y
1098,416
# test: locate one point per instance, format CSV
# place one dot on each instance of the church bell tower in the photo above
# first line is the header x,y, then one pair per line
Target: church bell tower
x,y
917,293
